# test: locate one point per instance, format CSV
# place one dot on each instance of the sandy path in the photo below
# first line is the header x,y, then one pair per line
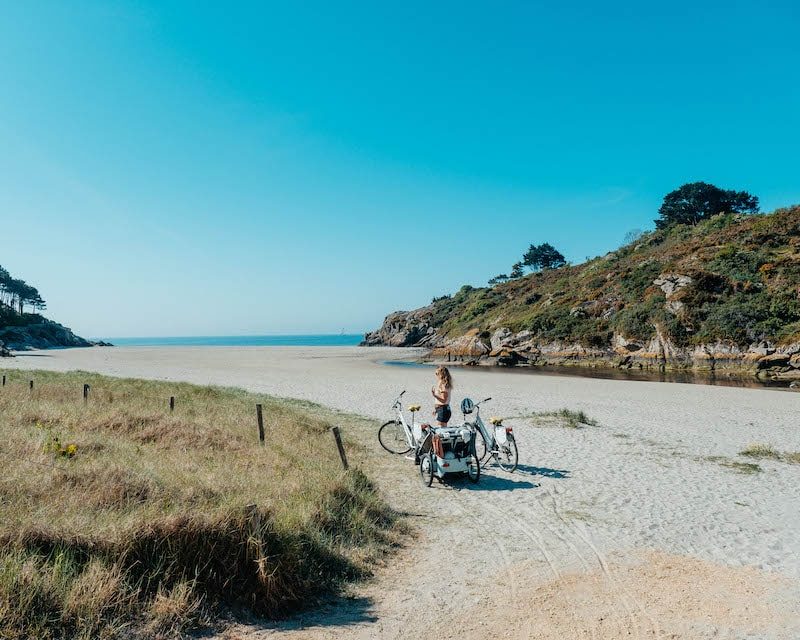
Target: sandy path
x,y
623,530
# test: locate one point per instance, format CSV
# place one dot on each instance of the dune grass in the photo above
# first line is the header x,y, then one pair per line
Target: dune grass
x,y
747,468
119,518
763,451
564,417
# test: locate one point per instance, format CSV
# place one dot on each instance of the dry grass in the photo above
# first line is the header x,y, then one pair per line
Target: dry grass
x,y
563,417
747,468
765,451
153,522
760,451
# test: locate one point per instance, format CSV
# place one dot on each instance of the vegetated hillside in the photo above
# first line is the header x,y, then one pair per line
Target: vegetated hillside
x,y
22,330
722,293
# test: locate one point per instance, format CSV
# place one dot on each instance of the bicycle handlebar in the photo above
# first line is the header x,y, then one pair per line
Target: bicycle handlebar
x,y
397,402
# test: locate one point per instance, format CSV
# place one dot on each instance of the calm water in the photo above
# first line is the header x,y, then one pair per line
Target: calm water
x,y
619,374
317,340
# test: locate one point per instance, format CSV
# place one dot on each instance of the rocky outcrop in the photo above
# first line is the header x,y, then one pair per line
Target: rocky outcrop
x,y
671,284
504,347
404,329
41,335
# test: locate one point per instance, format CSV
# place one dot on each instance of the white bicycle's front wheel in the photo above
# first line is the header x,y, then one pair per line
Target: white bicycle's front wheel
x,y
392,437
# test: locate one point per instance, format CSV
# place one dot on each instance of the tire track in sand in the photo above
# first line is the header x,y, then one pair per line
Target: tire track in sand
x,y
608,574
523,527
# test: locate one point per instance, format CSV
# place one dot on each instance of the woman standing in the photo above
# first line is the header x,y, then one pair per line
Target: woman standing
x,y
441,393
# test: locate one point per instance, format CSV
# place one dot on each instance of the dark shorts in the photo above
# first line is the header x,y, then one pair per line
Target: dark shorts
x,y
443,413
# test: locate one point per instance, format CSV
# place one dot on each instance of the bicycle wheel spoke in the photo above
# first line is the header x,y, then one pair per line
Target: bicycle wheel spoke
x,y
392,437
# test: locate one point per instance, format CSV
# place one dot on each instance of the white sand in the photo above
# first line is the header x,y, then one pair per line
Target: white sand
x,y
584,502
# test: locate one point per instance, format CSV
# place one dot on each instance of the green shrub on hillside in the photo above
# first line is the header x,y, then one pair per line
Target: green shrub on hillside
x,y
718,222
745,317
634,282
635,321
738,265
554,323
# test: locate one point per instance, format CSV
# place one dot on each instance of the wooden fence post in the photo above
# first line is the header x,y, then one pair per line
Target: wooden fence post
x,y
255,542
338,437
172,403
85,392
260,419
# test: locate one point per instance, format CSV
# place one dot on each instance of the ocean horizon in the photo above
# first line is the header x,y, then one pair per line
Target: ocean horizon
x,y
306,340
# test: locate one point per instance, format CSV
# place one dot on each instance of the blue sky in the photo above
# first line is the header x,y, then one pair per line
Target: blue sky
x,y
187,168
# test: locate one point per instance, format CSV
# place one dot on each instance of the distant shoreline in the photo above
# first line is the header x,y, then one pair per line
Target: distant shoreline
x,y
299,340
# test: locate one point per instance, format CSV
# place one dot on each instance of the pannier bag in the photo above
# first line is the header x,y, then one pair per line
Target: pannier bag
x,y
438,449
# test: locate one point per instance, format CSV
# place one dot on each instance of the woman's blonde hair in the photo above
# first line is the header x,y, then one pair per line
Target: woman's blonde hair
x,y
445,379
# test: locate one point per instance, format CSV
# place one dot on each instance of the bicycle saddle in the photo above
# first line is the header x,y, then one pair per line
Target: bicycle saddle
x,y
414,407
496,421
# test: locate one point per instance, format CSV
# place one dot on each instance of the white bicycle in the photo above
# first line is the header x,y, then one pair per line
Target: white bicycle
x,y
397,436
499,442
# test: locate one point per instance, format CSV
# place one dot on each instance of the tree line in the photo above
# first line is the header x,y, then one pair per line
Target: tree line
x,y
16,294
538,257
689,204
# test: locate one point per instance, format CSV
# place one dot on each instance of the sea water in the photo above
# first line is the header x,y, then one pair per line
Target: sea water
x,y
311,340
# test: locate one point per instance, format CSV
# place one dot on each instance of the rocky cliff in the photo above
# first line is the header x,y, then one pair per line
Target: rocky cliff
x,y
721,295
19,332
41,335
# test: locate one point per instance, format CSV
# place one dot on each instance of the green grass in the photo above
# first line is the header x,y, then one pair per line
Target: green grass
x,y
768,452
154,522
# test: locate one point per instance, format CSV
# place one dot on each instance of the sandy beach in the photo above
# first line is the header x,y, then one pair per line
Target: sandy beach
x,y
641,526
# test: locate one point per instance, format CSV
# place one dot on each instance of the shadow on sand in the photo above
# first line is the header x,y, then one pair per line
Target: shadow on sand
x,y
488,482
529,470
503,481
545,472
25,354
497,483
336,612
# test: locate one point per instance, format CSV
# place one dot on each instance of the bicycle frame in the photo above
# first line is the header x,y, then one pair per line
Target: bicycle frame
x,y
491,438
409,430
